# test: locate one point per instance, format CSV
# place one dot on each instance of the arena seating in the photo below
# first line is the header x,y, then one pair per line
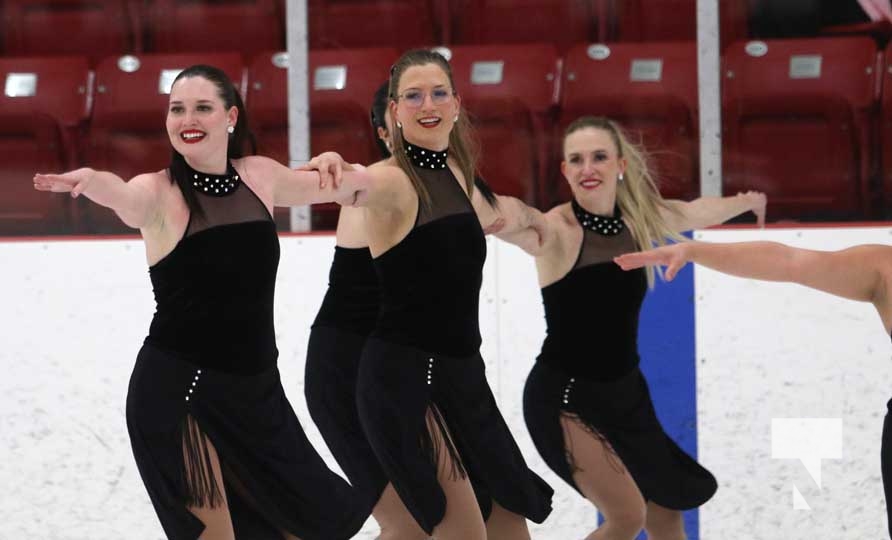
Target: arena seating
x,y
807,120
43,110
797,123
511,94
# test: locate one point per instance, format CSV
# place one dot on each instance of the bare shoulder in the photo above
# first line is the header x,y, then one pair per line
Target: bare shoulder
x,y
259,166
561,217
387,177
563,224
882,254
153,184
157,178
883,296
386,168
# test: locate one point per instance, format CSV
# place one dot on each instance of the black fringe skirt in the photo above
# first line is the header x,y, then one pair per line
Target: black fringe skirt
x,y
274,479
619,412
396,386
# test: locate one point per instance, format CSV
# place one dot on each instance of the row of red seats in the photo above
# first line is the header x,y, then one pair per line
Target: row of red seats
x,y
799,118
561,22
100,28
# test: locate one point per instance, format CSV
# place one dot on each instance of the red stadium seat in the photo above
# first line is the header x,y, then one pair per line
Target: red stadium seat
x,y
267,103
342,84
797,124
339,117
94,28
671,20
247,26
511,93
651,90
403,24
885,139
561,22
127,134
43,109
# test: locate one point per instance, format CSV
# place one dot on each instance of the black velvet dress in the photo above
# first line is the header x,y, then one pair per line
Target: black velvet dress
x,y
345,319
886,463
424,355
207,373
588,370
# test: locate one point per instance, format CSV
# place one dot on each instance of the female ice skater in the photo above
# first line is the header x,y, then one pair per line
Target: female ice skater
x,y
586,403
217,444
422,396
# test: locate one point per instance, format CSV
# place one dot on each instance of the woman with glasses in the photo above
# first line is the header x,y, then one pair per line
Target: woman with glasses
x,y
345,319
422,394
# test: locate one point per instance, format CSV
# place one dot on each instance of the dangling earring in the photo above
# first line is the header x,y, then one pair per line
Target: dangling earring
x,y
455,119
230,130
620,178
399,124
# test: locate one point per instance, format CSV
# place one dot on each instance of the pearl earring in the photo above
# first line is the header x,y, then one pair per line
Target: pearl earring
x,y
230,130
399,124
455,119
620,177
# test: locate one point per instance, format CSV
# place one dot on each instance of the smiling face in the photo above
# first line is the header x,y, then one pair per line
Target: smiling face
x,y
591,166
197,122
426,106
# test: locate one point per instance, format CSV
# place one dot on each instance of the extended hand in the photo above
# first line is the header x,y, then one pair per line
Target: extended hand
x,y
673,257
74,182
330,166
758,201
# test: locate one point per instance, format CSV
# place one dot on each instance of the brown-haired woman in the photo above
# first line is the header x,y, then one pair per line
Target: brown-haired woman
x,y
422,393
345,319
218,446
586,403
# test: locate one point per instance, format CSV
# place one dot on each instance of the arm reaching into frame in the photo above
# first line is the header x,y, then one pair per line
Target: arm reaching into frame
x,y
858,273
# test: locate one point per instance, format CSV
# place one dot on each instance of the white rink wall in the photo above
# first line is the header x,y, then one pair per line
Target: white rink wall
x,y
772,350
73,315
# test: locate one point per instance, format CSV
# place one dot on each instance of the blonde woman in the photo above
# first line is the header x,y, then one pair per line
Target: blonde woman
x,y
586,403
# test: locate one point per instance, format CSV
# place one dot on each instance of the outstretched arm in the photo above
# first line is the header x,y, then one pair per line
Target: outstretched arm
x,y
708,211
855,273
514,222
136,202
320,185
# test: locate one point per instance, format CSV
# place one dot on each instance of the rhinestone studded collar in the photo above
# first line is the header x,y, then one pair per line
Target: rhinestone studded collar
x,y
214,185
426,159
603,225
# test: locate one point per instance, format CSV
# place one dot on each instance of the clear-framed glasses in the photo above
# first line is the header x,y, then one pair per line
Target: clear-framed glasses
x,y
415,98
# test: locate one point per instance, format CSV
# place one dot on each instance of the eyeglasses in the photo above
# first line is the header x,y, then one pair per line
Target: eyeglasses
x,y
415,98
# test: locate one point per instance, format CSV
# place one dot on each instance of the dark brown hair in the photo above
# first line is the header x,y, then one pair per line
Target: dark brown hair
x,y
241,142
